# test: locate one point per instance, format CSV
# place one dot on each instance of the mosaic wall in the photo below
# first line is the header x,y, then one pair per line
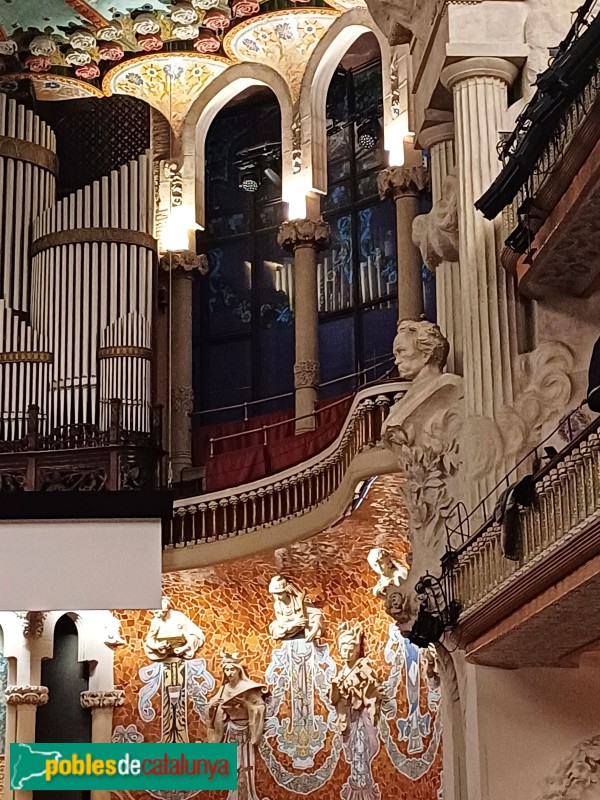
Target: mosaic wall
x,y
302,751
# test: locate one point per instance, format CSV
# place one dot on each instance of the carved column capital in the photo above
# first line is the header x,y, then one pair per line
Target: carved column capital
x,y
306,374
184,263
27,695
395,182
479,67
33,623
304,233
436,134
112,698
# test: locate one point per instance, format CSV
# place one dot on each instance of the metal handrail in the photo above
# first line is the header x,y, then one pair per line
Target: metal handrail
x,y
468,539
248,403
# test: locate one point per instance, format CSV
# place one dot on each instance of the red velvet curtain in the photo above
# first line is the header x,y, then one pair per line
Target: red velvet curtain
x,y
247,458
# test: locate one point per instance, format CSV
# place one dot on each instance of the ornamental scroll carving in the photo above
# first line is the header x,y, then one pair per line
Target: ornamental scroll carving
x,y
111,698
576,778
436,233
306,374
395,182
27,695
304,233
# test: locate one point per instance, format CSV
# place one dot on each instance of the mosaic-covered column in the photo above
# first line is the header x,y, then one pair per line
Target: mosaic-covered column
x,y
479,86
181,266
439,140
305,238
405,186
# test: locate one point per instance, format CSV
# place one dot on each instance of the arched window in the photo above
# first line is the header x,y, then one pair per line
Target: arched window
x,y
358,274
243,322
63,719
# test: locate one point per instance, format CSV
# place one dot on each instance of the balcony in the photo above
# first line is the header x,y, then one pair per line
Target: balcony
x,y
81,457
525,612
292,504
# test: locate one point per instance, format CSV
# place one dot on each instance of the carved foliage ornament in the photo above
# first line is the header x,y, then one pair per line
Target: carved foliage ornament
x,y
185,263
33,623
183,399
395,182
576,778
27,695
304,233
112,698
306,374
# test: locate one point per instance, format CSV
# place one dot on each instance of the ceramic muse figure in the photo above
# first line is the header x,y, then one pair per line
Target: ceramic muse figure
x,y
172,635
295,616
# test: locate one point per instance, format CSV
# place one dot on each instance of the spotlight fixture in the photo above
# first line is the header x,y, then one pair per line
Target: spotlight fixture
x,y
250,178
368,134
438,611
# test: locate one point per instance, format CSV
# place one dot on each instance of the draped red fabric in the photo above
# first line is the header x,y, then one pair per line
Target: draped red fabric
x,y
247,458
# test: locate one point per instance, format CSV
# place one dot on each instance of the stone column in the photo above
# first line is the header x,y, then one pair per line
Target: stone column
x,y
304,238
439,140
181,266
101,704
405,185
480,87
25,700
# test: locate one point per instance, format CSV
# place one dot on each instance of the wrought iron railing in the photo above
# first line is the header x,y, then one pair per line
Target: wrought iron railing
x,y
294,493
567,500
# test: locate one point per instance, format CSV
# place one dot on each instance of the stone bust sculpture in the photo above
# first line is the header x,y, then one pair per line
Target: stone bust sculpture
x,y
172,634
390,571
295,616
420,350
237,711
356,686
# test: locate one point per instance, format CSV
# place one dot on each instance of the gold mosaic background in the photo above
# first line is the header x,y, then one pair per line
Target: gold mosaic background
x,y
231,605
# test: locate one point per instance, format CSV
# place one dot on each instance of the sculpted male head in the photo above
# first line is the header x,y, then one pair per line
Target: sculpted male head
x,y
419,344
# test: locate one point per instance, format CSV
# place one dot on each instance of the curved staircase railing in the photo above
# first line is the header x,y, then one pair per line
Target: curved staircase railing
x,y
293,493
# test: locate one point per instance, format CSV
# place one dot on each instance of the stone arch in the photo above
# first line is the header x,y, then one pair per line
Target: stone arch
x,y
315,85
216,96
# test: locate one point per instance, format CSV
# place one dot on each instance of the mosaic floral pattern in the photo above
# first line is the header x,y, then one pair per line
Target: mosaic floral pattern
x,y
282,40
231,604
170,84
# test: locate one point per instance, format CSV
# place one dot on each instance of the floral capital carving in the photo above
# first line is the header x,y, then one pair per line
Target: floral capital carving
x,y
185,263
111,698
183,399
304,233
27,695
306,374
33,623
395,182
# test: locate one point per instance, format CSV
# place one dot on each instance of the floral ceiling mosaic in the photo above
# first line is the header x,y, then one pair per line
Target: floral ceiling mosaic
x,y
302,751
72,47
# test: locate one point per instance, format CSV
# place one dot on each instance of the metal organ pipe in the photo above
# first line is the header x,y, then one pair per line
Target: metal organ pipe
x,y
76,280
28,166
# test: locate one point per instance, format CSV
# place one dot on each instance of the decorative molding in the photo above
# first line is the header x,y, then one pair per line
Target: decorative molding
x,y
30,152
395,182
26,356
33,623
26,695
479,67
94,235
110,698
306,374
304,233
120,351
184,263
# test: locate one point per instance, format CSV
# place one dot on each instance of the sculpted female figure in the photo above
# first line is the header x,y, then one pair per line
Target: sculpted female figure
x,y
238,708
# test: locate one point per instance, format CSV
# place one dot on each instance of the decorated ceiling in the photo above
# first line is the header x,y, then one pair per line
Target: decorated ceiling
x,y
69,47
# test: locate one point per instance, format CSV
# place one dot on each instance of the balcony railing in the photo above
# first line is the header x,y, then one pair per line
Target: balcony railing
x,y
294,493
566,504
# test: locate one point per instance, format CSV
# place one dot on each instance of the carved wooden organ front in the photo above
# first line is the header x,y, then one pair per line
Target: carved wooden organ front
x,y
76,287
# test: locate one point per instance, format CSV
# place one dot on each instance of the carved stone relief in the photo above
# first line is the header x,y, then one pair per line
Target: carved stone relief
x,y
294,613
111,698
576,778
172,635
27,695
33,623
436,233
